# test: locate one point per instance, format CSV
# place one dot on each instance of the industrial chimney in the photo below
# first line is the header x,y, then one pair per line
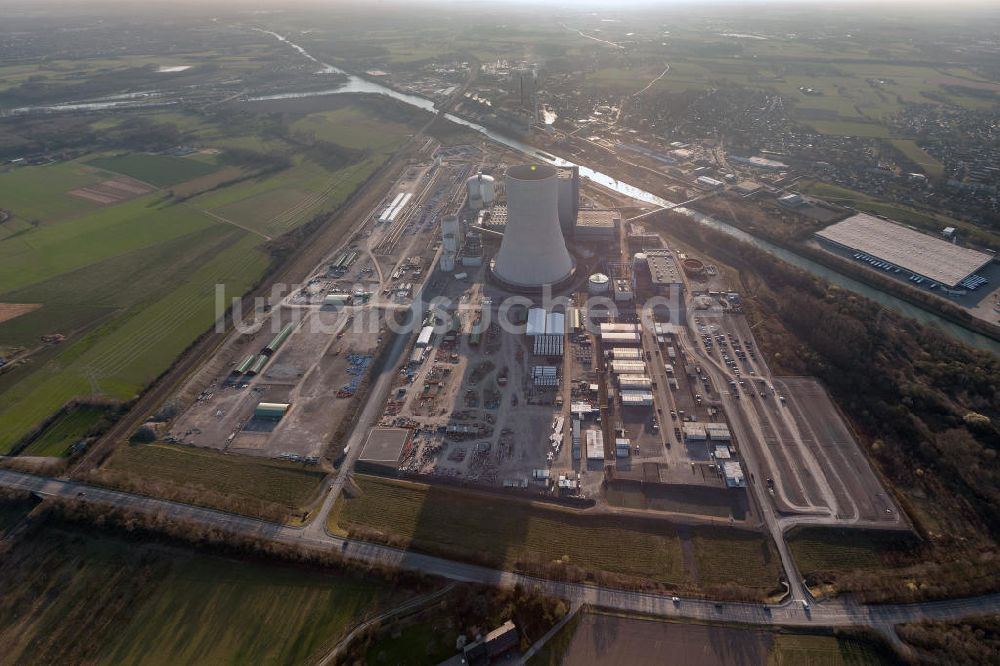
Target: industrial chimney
x,y
533,252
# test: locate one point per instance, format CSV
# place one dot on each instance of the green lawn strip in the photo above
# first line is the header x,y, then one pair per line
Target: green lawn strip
x,y
461,524
65,431
288,484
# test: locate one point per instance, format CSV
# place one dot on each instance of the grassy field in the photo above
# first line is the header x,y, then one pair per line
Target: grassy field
x,y
728,556
158,170
831,550
41,192
130,285
507,533
423,642
353,128
930,165
288,484
71,597
53,250
120,356
805,650
277,203
593,638
511,533
66,430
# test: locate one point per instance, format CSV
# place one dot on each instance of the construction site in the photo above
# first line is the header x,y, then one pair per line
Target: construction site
x,y
616,370
552,348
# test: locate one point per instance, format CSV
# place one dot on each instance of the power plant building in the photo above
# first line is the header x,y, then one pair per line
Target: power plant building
x,y
533,251
597,224
569,199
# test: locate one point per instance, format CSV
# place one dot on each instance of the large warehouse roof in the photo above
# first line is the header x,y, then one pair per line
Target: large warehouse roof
x,y
927,256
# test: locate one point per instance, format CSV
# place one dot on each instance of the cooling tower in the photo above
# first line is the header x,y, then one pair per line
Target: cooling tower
x,y
533,252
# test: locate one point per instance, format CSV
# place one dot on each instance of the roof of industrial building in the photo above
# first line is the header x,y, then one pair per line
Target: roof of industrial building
x,y
734,474
662,267
933,258
598,217
548,345
595,445
615,338
619,327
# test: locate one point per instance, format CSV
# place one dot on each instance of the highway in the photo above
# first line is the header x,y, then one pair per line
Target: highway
x,y
834,613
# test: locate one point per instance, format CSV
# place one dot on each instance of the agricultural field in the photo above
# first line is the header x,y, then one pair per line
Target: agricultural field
x,y
11,513
71,597
806,650
277,203
596,638
286,484
121,276
510,533
829,550
352,127
158,170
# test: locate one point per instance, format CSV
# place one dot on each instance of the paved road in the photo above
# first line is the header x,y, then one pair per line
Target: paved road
x,y
824,614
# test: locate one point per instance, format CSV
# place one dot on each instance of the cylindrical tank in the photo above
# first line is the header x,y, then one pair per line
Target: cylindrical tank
x,y
693,267
448,262
533,252
474,189
488,189
449,233
598,283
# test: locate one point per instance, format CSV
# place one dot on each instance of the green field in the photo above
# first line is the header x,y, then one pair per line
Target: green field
x,y
70,597
277,203
42,192
354,128
423,642
158,170
123,354
65,431
512,534
126,287
287,484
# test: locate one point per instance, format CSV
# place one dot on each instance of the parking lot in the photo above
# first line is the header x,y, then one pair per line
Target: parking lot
x,y
798,441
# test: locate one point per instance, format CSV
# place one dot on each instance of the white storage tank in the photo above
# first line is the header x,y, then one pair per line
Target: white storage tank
x,y
481,190
598,283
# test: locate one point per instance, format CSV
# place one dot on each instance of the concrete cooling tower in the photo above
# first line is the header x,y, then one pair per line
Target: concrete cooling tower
x,y
533,252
